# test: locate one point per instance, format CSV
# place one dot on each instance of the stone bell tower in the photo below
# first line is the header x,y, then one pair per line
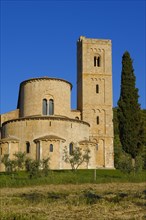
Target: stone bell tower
x,y
94,94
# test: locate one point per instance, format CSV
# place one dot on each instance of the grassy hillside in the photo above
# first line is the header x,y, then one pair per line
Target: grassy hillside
x,y
69,177
87,201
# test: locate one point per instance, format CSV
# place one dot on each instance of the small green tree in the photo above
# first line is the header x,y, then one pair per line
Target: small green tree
x,y
20,159
32,167
130,124
45,166
10,165
5,161
37,168
77,157
27,164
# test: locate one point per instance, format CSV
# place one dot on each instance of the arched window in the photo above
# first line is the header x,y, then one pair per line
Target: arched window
x,y
97,120
45,106
94,61
51,107
97,88
51,147
77,117
97,61
27,147
71,148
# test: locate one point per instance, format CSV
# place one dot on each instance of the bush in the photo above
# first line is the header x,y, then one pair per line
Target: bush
x,y
10,165
139,164
45,166
125,163
36,168
32,167
27,164
20,159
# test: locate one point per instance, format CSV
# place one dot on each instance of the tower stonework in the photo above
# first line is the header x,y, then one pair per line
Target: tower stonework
x,y
94,94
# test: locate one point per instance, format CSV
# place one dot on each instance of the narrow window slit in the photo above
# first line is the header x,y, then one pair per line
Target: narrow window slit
x,y
27,147
97,120
97,88
51,147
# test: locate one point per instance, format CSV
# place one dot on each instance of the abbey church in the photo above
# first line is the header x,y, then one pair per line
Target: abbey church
x,y
44,124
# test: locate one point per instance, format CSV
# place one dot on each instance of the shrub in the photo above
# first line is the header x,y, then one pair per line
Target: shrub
x,y
45,166
139,163
20,159
32,167
125,163
10,165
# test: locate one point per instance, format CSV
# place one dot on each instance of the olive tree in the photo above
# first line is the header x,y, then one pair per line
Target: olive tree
x,y
76,157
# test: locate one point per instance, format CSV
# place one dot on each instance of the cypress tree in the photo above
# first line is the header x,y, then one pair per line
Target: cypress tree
x,y
129,116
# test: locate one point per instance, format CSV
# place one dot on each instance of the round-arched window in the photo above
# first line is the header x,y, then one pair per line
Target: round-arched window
x,y
71,148
51,107
51,147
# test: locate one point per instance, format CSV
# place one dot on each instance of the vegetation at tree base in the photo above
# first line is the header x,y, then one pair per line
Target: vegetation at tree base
x,y
125,165
77,157
131,131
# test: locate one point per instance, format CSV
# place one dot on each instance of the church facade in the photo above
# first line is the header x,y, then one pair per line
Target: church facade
x,y
44,124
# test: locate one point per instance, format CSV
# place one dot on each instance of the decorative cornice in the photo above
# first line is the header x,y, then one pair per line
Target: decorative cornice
x,y
8,140
39,79
94,40
49,137
84,142
46,118
45,78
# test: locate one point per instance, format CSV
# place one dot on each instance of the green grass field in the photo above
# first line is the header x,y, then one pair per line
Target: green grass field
x,y
68,177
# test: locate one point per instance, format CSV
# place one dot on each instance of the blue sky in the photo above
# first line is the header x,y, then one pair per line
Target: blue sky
x,y
38,38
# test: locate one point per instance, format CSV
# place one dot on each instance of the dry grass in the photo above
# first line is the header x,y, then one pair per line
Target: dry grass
x,y
79,202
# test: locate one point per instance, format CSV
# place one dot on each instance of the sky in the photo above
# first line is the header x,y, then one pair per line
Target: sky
x,y
38,38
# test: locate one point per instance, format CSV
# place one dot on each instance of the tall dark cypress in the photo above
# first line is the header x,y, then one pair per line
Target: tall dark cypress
x,y
130,123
